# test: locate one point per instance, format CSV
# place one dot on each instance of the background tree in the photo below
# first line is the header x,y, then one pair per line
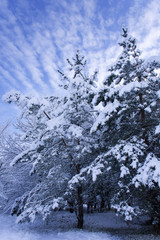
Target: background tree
x,y
13,179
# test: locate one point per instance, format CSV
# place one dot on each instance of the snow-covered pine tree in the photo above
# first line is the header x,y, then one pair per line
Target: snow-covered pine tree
x,y
130,115
38,151
58,143
81,145
127,120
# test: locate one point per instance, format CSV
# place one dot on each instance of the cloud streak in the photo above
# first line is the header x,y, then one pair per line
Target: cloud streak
x,y
36,39
144,23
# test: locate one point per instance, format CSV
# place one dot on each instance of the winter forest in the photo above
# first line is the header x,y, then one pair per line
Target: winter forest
x,y
95,148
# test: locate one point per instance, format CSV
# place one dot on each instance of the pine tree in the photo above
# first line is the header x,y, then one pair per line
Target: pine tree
x,y
79,114
128,117
131,113
58,143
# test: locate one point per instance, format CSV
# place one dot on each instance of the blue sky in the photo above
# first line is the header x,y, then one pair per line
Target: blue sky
x,y
36,37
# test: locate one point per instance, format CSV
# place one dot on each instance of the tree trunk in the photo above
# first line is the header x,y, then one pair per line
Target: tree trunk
x,y
102,204
80,202
80,208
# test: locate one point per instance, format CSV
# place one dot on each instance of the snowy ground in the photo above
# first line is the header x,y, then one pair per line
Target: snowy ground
x,y
11,231
62,226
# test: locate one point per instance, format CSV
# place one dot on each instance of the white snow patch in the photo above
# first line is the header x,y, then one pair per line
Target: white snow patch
x,y
76,131
148,109
157,131
105,114
96,170
55,204
158,93
149,172
124,171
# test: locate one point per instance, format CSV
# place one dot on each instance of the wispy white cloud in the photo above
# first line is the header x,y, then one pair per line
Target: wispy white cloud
x,y
144,23
36,39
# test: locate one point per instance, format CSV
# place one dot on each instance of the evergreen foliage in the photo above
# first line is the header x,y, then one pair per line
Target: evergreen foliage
x,y
94,146
58,144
